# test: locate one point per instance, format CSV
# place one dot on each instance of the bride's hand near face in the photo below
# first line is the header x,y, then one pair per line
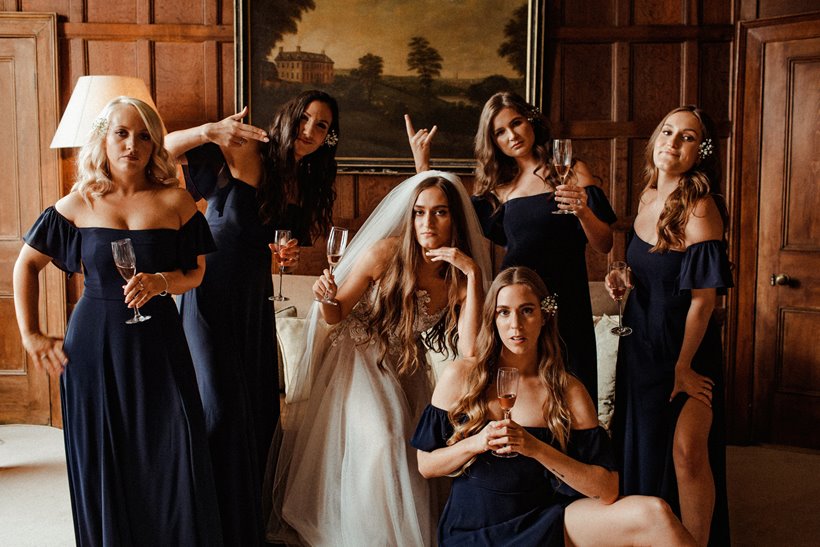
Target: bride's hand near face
x,y
455,257
420,142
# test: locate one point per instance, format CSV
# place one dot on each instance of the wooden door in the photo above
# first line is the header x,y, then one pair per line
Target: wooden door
x,y
786,386
30,181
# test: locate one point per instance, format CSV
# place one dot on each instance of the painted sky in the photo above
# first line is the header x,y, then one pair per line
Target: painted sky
x,y
466,33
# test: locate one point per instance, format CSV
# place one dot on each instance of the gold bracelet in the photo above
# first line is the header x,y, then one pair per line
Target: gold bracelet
x,y
165,292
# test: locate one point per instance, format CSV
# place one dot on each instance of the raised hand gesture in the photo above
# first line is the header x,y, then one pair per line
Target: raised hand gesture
x,y
420,142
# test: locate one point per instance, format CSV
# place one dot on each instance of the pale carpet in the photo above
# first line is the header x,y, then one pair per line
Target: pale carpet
x,y
774,492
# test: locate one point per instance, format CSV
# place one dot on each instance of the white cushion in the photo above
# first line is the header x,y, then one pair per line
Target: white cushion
x,y
607,345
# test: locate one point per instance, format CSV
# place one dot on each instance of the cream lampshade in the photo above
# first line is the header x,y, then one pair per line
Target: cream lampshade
x,y
89,97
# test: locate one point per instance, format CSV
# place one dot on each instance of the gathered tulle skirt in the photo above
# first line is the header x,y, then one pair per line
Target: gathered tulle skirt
x,y
342,471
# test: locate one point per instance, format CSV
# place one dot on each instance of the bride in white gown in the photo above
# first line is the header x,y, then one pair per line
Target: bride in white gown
x,y
413,278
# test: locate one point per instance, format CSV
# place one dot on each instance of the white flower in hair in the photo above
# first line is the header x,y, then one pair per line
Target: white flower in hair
x,y
549,304
705,149
332,139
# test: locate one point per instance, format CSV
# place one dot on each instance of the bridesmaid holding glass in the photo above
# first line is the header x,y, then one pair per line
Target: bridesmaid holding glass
x,y
139,470
668,424
517,188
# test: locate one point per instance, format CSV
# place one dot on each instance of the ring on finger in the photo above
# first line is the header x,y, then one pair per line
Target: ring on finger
x,y
577,201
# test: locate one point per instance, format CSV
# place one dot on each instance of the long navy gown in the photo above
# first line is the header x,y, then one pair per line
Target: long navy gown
x,y
229,323
139,471
555,247
644,420
508,501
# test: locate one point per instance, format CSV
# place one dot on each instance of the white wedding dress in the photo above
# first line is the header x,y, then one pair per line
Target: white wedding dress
x,y
342,471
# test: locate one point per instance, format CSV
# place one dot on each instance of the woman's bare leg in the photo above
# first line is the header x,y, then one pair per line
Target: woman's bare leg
x,y
696,485
633,520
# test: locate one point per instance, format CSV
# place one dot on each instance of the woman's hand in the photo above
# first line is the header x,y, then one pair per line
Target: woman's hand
x,y
287,256
455,257
325,287
481,441
571,198
232,132
507,436
693,384
143,287
420,142
46,352
611,286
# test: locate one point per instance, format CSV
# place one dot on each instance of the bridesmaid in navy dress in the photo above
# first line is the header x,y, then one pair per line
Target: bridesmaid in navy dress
x,y
562,487
138,464
669,421
516,192
254,183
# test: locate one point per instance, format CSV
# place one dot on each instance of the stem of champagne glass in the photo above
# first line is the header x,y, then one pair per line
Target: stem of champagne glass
x,y
620,313
281,269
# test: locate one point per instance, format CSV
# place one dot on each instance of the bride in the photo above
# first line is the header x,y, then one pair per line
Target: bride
x,y
412,279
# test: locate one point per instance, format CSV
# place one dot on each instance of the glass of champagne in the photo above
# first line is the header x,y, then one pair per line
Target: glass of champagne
x,y
507,391
617,278
126,262
336,245
280,241
562,162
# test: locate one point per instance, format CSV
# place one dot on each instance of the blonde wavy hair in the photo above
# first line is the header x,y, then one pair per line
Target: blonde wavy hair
x,y
93,172
470,414
702,180
395,312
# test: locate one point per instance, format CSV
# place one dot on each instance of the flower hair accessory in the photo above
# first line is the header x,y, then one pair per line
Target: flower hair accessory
x,y
549,304
534,114
705,149
100,126
331,139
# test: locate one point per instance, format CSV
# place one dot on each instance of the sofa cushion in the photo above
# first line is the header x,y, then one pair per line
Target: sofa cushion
x,y
607,346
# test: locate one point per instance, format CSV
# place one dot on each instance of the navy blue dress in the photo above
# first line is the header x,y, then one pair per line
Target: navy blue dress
x,y
555,247
508,501
229,322
139,471
644,420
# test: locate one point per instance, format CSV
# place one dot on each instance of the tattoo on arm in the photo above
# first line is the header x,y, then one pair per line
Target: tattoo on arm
x,y
556,473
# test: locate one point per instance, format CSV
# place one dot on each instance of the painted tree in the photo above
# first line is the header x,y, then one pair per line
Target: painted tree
x,y
514,48
424,59
369,72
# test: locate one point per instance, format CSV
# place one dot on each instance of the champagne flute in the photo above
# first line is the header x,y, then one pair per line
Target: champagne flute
x,y
126,262
336,245
617,277
507,391
562,162
280,240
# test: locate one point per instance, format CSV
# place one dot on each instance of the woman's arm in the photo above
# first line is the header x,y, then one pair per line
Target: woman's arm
x,y
593,481
598,232
238,141
472,297
45,351
446,460
420,142
704,224
368,268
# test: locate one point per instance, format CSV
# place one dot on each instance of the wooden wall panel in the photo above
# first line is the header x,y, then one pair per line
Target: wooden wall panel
x,y
106,11
656,81
715,71
181,82
183,11
105,57
57,6
589,13
586,82
658,12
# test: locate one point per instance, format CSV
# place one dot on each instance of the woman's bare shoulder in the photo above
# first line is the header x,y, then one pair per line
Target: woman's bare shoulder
x,y
580,405
71,205
704,223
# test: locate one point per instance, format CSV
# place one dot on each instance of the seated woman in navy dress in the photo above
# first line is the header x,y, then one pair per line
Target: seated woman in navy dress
x,y
139,470
562,487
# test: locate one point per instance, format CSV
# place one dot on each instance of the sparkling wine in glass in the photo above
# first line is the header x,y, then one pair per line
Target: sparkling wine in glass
x,y
280,241
336,245
126,262
562,162
507,392
617,278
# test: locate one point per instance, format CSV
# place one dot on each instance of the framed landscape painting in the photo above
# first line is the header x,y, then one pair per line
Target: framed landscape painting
x,y
437,60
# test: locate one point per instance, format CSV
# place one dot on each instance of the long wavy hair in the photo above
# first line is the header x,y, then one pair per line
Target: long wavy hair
x,y
470,414
395,312
310,181
494,168
93,169
702,180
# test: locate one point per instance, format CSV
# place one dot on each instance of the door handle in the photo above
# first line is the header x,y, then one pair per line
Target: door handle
x,y
779,279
